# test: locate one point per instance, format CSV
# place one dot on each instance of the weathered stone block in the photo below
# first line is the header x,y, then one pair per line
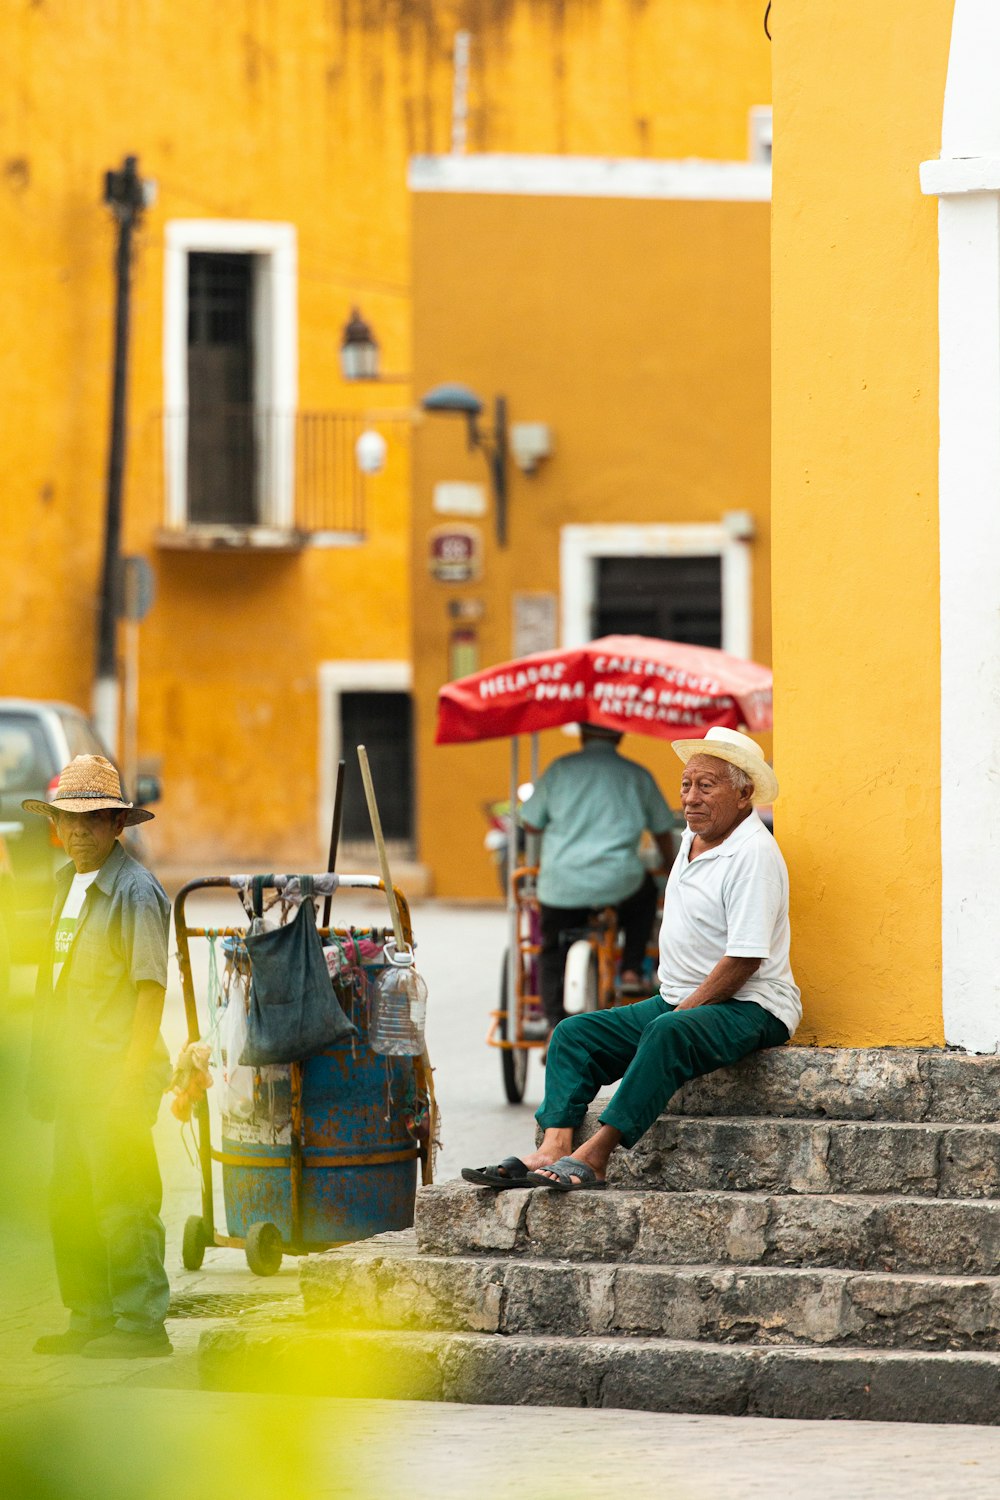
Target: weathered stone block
x,y
962,1087
918,1312
455,1217
970,1162
944,1236
882,1158
607,1230
836,1082
820,1231
694,1228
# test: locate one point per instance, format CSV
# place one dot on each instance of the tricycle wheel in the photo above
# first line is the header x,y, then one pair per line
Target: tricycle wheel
x,y
513,1060
264,1249
193,1244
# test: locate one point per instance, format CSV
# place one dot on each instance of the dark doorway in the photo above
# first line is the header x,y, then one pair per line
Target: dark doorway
x,y
669,598
383,723
221,468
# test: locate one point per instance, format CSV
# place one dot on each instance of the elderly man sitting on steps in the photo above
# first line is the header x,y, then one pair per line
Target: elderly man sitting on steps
x,y
726,988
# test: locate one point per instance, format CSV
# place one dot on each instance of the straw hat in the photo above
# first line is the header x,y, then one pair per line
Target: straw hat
x,y
740,750
89,783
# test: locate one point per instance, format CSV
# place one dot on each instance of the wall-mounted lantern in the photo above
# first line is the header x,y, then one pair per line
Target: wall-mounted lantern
x,y
358,349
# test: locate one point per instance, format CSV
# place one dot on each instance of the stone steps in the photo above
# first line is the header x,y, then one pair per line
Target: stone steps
x,y
384,1284
937,1236
655,1374
813,1233
937,1159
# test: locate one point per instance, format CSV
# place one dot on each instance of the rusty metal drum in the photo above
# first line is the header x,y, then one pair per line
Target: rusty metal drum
x,y
359,1159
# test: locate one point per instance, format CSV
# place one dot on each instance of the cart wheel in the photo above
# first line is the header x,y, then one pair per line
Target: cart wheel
x,y
193,1244
513,1060
580,978
263,1249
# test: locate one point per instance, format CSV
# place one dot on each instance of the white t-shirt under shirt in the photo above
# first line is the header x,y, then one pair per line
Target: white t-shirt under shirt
x,y
66,926
731,901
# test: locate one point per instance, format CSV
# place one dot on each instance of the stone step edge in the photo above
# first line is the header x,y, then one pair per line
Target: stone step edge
x,y
646,1374
311,1276
793,1306
938,1236
613,1193
801,1122
908,1083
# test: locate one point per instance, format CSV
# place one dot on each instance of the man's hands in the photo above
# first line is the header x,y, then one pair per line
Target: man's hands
x,y
728,976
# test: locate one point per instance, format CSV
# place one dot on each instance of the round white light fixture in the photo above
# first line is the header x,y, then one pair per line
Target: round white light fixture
x,y
370,451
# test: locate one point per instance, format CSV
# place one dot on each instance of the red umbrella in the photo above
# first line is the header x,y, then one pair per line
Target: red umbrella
x,y
627,682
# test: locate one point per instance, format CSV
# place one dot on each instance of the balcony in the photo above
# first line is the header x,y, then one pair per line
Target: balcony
x,y
243,477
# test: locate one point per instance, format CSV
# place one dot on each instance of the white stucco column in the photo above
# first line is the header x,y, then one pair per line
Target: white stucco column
x,y
966,181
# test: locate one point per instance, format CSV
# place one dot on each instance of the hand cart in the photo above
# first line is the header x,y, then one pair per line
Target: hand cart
x,y
344,1167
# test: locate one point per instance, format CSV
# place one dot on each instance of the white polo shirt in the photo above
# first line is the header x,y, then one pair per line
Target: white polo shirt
x,y
730,902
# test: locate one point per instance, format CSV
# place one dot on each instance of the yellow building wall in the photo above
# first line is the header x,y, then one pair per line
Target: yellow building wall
x,y
298,112
638,330
857,106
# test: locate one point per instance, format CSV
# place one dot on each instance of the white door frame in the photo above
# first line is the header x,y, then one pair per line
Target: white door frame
x,y
275,326
966,181
581,546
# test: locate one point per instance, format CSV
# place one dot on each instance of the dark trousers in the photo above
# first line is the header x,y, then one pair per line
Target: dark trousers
x,y
105,1214
635,917
653,1048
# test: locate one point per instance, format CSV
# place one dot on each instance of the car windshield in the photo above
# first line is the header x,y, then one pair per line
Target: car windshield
x,y
80,738
25,758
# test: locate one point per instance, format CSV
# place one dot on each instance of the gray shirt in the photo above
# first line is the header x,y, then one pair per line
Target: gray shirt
x,y
84,1021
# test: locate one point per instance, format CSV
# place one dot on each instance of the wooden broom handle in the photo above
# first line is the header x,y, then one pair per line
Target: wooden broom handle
x,y
383,858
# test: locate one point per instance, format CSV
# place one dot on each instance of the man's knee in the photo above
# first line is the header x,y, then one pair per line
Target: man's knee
x,y
573,1032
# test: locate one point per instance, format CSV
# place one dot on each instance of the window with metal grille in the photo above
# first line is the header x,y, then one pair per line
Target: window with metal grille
x,y
669,598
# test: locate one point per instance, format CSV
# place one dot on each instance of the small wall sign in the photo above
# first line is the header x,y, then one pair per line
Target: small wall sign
x,y
454,498
455,554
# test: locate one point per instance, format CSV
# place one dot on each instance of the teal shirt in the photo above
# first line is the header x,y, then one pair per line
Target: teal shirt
x,y
592,808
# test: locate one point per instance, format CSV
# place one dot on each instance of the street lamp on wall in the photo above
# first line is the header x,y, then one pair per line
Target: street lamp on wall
x,y
358,349
458,400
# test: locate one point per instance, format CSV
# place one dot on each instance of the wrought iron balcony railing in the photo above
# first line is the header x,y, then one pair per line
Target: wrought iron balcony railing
x,y
243,475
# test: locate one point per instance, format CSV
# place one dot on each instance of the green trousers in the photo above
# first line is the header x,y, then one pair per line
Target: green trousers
x,y
653,1048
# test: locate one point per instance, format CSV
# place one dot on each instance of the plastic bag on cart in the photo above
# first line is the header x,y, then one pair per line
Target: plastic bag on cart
x,y
237,1079
294,1010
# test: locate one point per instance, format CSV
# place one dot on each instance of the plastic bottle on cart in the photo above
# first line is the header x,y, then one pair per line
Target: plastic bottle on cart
x,y
399,1006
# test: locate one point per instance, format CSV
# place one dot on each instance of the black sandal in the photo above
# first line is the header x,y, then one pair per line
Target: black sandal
x,y
509,1173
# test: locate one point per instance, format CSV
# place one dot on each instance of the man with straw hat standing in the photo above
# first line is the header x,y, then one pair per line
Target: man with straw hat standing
x,y
726,988
98,1070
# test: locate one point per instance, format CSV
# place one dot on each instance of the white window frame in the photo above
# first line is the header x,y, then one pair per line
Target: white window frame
x,y
275,324
335,679
580,547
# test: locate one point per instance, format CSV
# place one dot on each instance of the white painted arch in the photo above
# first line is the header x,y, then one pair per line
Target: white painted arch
x,y
966,181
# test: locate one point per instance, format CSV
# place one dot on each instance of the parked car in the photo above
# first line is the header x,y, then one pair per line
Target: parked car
x,y
36,740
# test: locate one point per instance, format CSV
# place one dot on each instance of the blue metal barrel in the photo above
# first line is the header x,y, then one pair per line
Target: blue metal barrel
x,y
359,1162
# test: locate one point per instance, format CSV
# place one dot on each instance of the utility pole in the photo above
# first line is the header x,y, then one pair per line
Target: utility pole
x,y
126,195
